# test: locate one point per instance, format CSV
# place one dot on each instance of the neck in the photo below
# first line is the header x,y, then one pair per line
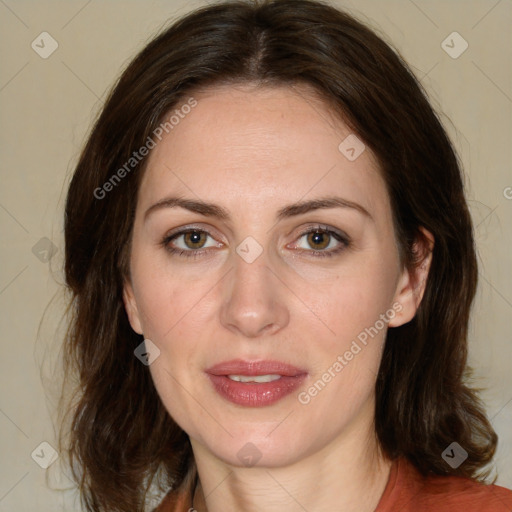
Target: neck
x,y
347,475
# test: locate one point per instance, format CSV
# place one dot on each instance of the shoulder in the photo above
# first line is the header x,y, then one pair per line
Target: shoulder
x,y
411,491
174,501
467,494
180,499
408,491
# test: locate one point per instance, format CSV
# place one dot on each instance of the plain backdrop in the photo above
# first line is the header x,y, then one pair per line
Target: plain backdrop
x,y
46,109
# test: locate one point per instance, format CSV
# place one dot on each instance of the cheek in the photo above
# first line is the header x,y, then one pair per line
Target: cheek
x,y
167,297
350,300
345,362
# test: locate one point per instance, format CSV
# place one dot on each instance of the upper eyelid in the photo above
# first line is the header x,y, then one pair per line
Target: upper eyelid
x,y
186,229
313,226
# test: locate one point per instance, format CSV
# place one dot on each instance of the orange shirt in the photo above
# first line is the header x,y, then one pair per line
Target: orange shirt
x,y
407,491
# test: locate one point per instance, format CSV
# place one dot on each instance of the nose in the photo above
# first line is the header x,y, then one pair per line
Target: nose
x,y
253,299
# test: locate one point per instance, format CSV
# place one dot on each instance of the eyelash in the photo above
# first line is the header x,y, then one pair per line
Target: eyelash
x,y
192,253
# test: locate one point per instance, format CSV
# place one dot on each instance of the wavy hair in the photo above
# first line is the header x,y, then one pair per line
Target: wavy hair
x,y
120,439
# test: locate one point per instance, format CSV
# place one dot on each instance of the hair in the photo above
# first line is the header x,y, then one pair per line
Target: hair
x,y
121,436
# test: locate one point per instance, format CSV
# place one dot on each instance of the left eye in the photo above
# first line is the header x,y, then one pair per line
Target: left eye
x,y
322,239
324,242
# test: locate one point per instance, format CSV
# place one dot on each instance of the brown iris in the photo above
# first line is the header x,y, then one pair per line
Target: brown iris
x,y
197,239
318,237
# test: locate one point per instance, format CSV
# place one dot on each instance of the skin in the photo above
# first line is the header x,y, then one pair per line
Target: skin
x,y
253,150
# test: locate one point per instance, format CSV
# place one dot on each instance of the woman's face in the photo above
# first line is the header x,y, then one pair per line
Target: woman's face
x,y
233,290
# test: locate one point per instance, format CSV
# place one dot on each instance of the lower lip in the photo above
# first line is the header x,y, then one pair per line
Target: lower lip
x,y
253,394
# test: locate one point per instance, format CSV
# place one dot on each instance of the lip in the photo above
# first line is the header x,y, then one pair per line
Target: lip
x,y
253,394
255,368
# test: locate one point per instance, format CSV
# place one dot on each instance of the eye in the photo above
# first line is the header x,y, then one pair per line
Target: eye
x,y
192,242
324,241
188,242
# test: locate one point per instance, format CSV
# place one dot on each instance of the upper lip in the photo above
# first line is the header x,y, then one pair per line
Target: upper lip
x,y
255,368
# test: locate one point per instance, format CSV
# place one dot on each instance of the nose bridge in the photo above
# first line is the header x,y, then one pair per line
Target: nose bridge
x,y
252,300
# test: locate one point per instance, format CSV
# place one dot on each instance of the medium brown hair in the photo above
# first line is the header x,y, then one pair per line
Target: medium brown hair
x,y
120,434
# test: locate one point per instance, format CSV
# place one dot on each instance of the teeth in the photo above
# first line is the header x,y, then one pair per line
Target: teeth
x,y
254,378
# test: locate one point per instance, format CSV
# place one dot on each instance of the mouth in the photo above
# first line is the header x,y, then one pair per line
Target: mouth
x,y
255,383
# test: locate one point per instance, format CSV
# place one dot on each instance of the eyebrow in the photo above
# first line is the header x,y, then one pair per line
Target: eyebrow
x,y
292,210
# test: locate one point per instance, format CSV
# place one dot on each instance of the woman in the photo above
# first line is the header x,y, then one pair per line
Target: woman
x,y
272,267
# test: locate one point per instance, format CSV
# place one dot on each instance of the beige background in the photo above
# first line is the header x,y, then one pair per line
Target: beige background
x,y
46,108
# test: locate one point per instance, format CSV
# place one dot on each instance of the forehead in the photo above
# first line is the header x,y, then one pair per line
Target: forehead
x,y
260,146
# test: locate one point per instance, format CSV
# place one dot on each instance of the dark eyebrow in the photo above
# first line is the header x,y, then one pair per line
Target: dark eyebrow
x,y
213,210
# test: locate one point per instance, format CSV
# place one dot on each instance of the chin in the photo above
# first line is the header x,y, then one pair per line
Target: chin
x,y
261,446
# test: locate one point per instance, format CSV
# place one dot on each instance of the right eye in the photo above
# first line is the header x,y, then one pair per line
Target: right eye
x,y
191,242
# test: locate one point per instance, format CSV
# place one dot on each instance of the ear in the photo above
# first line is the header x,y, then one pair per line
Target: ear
x,y
412,283
130,305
